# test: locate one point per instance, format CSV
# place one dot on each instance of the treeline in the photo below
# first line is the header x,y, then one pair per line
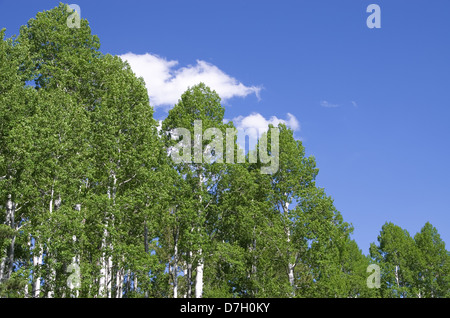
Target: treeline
x,y
92,205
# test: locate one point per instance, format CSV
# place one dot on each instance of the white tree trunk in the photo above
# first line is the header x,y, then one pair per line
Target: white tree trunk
x,y
396,275
291,266
109,264
25,292
291,274
12,224
8,259
106,260
109,275
200,265
199,277
119,283
37,261
75,259
51,277
189,276
103,269
175,267
3,264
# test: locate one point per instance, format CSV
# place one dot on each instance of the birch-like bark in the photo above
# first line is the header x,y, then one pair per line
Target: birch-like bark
x,y
396,276
291,266
189,276
119,282
146,247
76,258
25,292
3,264
175,266
199,277
7,261
103,269
200,264
110,262
107,264
37,261
52,275
109,275
13,240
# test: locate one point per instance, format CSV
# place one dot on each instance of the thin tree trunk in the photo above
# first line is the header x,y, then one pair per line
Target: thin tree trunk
x,y
199,277
52,275
119,283
25,292
175,266
396,276
128,289
189,276
103,269
11,257
146,248
107,265
109,275
7,263
76,258
291,266
109,269
37,261
13,240
252,250
200,264
3,264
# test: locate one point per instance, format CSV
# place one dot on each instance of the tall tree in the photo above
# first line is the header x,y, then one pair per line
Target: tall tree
x,y
397,255
15,99
93,153
433,272
200,115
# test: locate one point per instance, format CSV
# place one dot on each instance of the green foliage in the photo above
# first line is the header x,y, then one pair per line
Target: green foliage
x,y
86,181
411,267
433,270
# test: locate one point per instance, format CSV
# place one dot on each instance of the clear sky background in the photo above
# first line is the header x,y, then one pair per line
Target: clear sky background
x,y
371,105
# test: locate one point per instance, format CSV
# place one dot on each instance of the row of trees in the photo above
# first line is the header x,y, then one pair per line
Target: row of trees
x,y
93,206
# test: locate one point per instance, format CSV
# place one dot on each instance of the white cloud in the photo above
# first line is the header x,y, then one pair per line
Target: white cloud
x,y
166,83
354,104
327,104
256,120
255,124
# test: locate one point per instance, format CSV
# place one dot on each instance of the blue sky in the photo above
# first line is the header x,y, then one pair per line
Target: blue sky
x,y
372,105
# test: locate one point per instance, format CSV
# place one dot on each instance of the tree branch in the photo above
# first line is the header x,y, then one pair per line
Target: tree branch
x,y
126,181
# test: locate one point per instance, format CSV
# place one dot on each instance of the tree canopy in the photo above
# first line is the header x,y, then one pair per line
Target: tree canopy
x,y
92,203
